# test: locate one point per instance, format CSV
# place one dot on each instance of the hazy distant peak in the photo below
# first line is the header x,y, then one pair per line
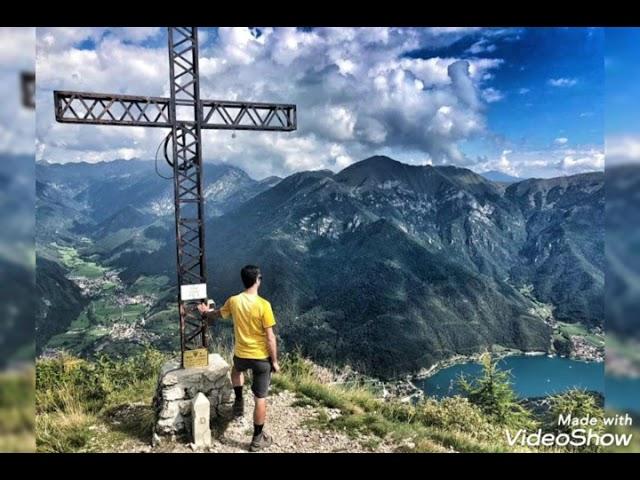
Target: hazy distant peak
x,y
500,177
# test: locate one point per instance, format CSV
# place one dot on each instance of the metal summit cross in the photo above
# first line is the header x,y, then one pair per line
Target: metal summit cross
x,y
185,114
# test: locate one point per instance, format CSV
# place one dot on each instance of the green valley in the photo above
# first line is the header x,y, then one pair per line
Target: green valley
x,y
117,318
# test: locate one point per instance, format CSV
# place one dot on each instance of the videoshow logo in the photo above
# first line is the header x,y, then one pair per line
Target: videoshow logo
x,y
584,432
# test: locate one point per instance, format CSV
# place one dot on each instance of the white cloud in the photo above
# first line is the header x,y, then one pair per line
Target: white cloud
x,y
346,66
581,161
492,95
341,158
481,46
502,164
241,46
545,163
523,91
17,55
447,30
463,86
334,122
56,39
354,87
622,149
17,48
562,82
372,130
561,140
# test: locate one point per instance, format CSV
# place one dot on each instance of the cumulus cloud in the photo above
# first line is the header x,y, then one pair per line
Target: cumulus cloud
x,y
545,163
56,39
523,91
463,86
562,82
355,88
504,165
622,149
17,54
561,140
492,95
582,161
481,46
501,163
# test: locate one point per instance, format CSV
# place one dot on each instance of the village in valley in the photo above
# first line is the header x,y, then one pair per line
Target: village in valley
x,y
116,313
584,348
572,340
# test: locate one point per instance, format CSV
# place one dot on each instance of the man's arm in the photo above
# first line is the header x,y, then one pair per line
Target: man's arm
x,y
273,349
211,314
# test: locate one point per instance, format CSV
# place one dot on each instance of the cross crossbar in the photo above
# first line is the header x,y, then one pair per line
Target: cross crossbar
x,y
116,109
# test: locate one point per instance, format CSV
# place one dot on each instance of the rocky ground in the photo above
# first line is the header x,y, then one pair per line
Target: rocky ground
x,y
286,422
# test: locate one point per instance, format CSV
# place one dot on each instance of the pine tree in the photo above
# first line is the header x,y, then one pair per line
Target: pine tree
x,y
493,393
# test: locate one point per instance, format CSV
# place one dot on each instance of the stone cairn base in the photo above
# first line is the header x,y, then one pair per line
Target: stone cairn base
x,y
176,390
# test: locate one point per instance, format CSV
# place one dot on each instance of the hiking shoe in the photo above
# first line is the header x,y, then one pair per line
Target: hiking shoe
x,y
260,441
238,409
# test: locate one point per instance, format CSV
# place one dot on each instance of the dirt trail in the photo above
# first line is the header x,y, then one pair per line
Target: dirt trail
x,y
285,422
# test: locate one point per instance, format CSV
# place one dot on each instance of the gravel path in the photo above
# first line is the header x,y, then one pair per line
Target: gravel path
x,y
285,423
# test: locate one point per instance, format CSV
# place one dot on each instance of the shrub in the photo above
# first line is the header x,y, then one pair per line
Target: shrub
x,y
579,404
454,413
492,392
58,433
91,385
71,394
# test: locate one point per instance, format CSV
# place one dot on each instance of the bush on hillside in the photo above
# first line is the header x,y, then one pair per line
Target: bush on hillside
x,y
493,393
91,383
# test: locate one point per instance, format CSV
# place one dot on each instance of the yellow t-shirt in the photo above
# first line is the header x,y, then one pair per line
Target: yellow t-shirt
x,y
251,315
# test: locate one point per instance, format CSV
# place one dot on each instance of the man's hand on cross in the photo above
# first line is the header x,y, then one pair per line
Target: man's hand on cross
x,y
204,307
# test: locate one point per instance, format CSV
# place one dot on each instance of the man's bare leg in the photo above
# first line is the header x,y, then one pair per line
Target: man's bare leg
x,y
260,411
260,439
237,380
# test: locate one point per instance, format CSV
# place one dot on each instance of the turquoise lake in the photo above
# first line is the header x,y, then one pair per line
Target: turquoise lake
x,y
622,394
531,376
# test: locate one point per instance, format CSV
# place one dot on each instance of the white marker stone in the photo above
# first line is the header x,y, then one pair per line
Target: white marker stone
x,y
200,414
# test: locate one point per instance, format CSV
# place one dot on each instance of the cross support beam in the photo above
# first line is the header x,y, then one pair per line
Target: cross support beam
x,y
138,111
184,85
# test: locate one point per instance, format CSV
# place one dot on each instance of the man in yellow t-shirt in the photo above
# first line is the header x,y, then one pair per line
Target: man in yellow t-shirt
x,y
255,348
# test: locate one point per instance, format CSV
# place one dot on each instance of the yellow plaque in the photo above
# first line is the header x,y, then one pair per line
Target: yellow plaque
x,y
195,358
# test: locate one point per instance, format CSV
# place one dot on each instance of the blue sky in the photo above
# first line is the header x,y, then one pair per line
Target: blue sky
x,y
527,101
552,82
534,112
622,98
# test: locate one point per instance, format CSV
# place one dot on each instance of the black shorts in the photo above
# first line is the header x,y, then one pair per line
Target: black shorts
x,y
260,373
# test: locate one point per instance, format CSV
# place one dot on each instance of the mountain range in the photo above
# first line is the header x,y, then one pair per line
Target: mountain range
x,y
500,177
385,266
623,262
17,268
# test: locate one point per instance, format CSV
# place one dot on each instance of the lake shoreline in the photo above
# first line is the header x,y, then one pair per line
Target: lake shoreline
x,y
475,358
577,355
525,368
460,359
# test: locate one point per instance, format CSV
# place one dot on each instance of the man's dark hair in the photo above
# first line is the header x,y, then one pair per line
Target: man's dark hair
x,y
249,274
